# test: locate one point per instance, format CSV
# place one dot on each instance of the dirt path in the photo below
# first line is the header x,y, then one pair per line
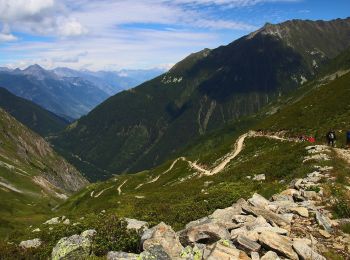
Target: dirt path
x,y
102,191
120,187
226,159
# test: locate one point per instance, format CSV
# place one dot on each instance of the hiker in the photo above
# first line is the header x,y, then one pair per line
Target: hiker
x,y
331,138
348,139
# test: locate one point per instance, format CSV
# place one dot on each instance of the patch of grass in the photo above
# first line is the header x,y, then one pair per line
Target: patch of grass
x,y
345,228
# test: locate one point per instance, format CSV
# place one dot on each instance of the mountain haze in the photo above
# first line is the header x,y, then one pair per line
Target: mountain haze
x,y
33,116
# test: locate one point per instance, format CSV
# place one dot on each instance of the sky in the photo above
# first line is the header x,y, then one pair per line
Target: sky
x,y
137,34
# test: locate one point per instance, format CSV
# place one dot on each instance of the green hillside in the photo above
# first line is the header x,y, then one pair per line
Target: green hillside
x,y
145,126
31,115
312,110
33,178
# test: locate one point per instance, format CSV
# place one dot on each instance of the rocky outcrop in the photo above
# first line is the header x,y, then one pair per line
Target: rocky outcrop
x,y
74,247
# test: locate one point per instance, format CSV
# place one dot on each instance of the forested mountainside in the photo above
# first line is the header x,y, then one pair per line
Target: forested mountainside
x,y
141,128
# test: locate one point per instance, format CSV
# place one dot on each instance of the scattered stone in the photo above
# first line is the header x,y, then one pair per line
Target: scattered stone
x,y
270,256
162,237
36,230
305,252
324,221
53,221
121,256
248,244
210,233
254,256
269,215
258,201
136,224
310,195
34,243
259,177
66,222
301,211
218,251
324,233
278,243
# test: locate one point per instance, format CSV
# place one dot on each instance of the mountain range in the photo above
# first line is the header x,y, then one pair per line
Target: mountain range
x,y
68,93
31,115
142,127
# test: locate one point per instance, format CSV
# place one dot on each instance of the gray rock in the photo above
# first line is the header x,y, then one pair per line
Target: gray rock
x,y
204,220
248,244
259,177
121,256
254,256
310,195
209,233
258,201
305,252
225,216
270,256
278,243
324,221
218,251
268,215
73,247
53,221
136,224
34,243
162,239
301,211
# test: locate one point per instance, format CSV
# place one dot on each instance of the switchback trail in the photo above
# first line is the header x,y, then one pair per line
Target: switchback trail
x,y
225,160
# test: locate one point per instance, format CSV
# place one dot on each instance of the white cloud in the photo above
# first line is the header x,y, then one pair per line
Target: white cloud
x,y
115,34
14,10
7,37
72,28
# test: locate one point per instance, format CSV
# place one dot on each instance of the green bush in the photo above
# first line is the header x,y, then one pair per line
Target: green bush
x,y
112,235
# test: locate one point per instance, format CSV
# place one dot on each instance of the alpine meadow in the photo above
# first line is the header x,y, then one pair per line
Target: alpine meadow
x,y
169,130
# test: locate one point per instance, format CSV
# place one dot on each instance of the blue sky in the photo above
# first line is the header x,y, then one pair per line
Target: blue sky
x,y
138,34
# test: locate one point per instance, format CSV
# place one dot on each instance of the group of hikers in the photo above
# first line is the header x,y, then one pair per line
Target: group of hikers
x,y
332,138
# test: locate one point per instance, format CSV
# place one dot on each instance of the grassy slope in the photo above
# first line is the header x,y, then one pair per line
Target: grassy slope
x,y
312,109
33,116
23,156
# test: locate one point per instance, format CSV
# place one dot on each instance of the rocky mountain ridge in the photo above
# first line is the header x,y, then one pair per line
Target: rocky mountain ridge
x,y
149,124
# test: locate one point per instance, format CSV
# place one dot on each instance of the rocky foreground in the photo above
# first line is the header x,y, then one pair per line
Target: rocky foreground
x,y
293,224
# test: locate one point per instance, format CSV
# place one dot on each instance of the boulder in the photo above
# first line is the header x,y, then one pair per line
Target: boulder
x,y
248,244
225,216
305,252
301,211
258,201
219,251
207,233
34,243
268,215
136,224
122,256
324,221
74,247
310,195
162,238
254,256
204,220
270,256
278,243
